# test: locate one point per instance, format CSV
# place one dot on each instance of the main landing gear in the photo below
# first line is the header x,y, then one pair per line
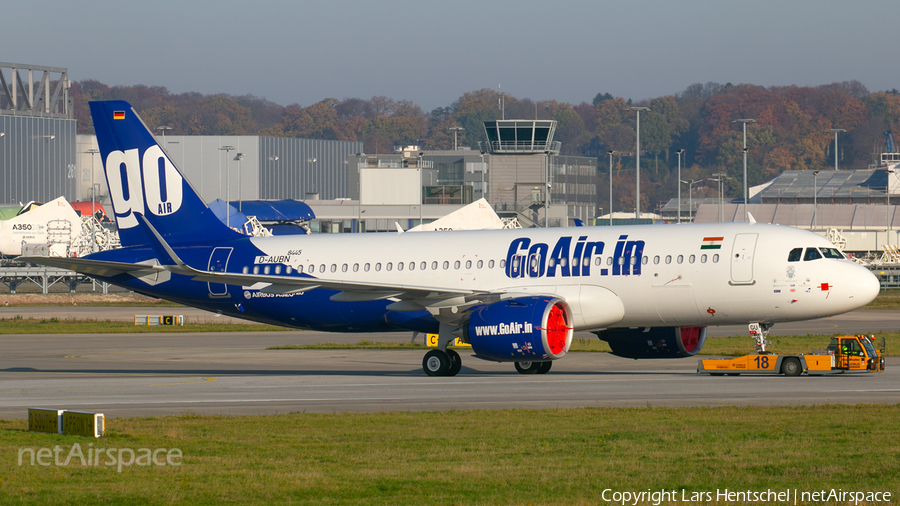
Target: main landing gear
x,y
442,363
533,367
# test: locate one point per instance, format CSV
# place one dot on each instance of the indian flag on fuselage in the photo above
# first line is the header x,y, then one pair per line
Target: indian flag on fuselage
x,y
712,243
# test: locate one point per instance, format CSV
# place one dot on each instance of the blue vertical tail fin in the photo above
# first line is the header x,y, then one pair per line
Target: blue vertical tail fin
x,y
143,180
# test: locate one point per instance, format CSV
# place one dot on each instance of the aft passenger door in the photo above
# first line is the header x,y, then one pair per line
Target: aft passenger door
x,y
742,259
218,262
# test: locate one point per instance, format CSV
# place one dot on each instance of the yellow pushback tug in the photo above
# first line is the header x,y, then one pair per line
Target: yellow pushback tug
x,y
845,354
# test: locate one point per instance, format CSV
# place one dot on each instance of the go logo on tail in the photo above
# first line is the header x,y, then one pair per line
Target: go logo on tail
x,y
134,180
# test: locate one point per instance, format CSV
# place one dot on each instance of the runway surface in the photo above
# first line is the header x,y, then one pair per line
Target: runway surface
x,y
234,373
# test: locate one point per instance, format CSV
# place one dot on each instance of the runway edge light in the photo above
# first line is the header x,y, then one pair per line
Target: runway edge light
x,y
81,423
45,420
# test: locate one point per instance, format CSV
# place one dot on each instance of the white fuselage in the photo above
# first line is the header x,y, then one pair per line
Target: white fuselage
x,y
629,276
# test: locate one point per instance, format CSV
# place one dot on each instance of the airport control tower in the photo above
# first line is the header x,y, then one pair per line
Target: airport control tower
x,y
520,165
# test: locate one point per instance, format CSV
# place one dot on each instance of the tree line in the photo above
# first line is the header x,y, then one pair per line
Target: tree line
x,y
792,129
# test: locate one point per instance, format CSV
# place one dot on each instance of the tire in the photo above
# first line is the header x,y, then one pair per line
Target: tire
x,y
455,363
528,367
791,367
545,367
717,374
436,363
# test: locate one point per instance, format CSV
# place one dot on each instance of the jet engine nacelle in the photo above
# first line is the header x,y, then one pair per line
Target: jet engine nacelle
x,y
656,342
531,329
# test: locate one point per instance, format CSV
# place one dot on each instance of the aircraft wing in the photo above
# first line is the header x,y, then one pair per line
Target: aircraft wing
x,y
93,267
350,290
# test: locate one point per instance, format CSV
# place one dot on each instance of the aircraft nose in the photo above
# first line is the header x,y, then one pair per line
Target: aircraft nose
x,y
865,286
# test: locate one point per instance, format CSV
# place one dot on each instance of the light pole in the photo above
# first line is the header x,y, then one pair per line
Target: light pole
x,y
421,165
455,131
309,174
691,184
547,192
93,151
720,179
482,174
611,153
239,157
163,128
746,190
679,152
836,130
226,149
637,170
887,195
815,200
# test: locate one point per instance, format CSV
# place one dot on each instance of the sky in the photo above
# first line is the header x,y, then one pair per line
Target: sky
x,y
433,52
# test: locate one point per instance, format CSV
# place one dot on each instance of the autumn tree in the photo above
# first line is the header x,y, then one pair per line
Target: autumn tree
x,y
660,126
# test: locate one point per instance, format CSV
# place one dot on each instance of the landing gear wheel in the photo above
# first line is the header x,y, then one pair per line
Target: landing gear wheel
x,y
545,367
791,367
436,363
455,363
528,367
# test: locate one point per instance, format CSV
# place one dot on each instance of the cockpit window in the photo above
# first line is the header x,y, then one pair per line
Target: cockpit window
x,y
795,254
831,253
811,254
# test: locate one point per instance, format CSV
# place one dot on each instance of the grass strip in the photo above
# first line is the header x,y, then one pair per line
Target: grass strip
x,y
19,325
886,299
548,457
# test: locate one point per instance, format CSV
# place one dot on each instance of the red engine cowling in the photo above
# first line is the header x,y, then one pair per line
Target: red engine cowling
x,y
521,329
656,342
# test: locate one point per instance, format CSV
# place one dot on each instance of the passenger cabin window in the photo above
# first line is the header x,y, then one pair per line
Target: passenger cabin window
x,y
795,254
811,254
